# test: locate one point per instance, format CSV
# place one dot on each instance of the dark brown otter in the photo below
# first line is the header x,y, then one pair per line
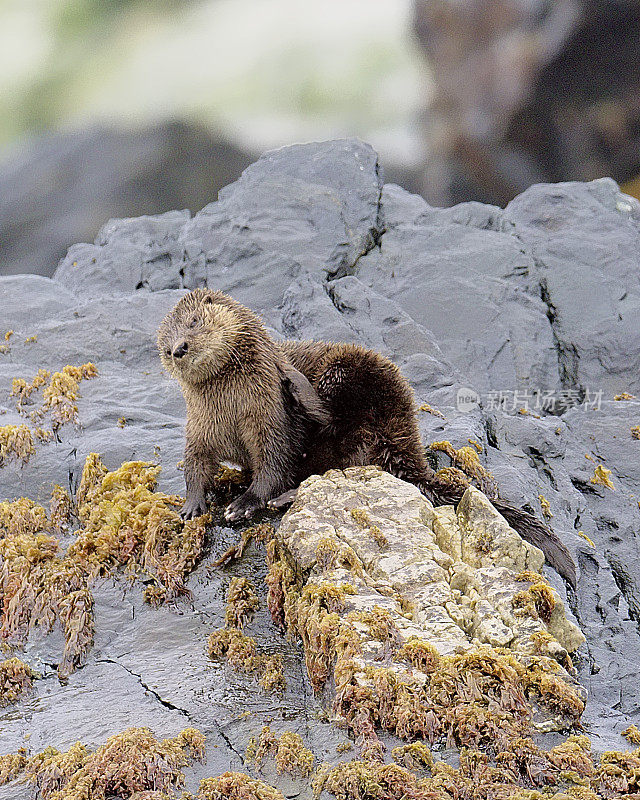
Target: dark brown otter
x,y
287,410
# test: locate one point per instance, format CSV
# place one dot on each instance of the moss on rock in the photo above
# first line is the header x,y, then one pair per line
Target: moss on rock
x,y
129,762
16,680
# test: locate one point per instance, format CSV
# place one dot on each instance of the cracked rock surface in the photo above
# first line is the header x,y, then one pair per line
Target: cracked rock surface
x,y
541,296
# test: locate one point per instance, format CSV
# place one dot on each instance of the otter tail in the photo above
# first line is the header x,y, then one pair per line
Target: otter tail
x,y
538,534
530,528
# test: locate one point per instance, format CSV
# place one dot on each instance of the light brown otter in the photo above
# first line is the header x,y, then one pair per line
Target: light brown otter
x,y
287,410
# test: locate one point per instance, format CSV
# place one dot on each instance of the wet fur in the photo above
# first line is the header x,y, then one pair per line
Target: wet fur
x,y
287,410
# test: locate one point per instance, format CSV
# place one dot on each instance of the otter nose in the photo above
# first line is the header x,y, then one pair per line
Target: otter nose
x,y
180,349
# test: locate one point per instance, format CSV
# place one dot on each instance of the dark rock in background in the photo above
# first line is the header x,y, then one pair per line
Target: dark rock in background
x,y
528,92
60,188
542,296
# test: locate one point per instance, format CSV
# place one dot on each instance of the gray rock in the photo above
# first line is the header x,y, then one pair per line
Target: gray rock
x,y
584,239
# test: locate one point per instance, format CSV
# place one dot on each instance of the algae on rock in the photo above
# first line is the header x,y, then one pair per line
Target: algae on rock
x,y
125,523
16,679
128,762
432,636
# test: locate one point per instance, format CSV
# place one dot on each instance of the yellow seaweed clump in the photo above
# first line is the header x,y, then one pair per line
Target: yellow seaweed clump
x,y
546,507
129,762
538,601
602,477
22,390
420,654
466,459
282,582
22,516
454,477
288,750
125,522
292,756
416,755
327,554
635,431
236,786
60,507
16,679
16,441
313,615
60,395
12,765
618,774
242,655
431,410
360,516
366,780
6,348
632,734
154,595
61,390
38,588
242,602
379,622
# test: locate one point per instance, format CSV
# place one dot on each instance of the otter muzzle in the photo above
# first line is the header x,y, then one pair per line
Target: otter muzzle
x,y
180,350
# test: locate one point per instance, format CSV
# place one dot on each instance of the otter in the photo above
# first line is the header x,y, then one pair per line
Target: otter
x,y
287,410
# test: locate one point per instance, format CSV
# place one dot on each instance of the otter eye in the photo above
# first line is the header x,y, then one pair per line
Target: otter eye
x,y
208,300
167,352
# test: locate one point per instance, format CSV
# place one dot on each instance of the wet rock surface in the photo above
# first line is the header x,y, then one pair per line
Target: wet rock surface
x,y
539,297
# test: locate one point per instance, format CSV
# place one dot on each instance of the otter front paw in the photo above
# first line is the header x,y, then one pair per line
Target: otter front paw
x,y
193,507
243,507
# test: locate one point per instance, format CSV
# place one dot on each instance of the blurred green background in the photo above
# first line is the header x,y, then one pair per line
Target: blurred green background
x,y
264,72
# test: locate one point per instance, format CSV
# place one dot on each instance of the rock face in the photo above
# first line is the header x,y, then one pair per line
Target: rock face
x,y
456,572
395,600
488,312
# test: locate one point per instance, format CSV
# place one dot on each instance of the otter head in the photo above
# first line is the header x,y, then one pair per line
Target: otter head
x,y
197,336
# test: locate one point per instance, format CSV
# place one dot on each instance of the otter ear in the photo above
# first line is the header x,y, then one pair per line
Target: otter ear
x,y
302,394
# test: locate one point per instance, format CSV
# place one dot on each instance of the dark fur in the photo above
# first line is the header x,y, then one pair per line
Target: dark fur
x,y
287,410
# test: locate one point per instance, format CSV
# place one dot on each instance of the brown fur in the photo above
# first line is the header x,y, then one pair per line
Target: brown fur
x,y
287,410
245,403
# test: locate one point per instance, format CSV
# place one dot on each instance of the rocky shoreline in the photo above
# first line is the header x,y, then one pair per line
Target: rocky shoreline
x,y
493,315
